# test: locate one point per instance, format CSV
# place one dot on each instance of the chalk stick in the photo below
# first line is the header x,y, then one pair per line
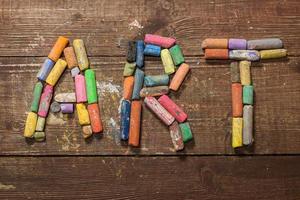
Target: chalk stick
x,y
213,43
176,136
45,101
152,50
83,115
135,123
125,120
237,132
75,71
37,92
237,103
154,91
156,80
56,72
67,108
129,69
128,87
91,86
250,55
40,124
186,131
179,76
58,48
248,94
172,108
218,54
248,125
267,43
45,69
131,51
80,88
39,136
274,53
30,124
140,53
81,55
235,72
55,107
138,83
159,110
237,44
245,72
87,131
167,61
70,57
165,42
68,97
95,117
176,54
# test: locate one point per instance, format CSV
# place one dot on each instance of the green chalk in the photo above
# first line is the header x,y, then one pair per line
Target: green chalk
x,y
129,69
39,136
38,88
248,94
177,55
186,131
91,88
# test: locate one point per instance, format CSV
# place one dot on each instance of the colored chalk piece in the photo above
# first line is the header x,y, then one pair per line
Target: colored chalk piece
x,y
56,72
81,55
176,136
87,131
135,123
80,88
75,71
30,124
45,69
237,132
65,97
245,72
219,54
250,55
273,53
237,44
55,107
70,57
248,94
165,42
179,76
67,108
39,136
167,61
91,86
140,53
83,115
95,117
45,101
267,43
186,131
40,125
157,80
235,72
138,83
131,51
211,43
125,120
128,87
172,108
154,91
129,69
237,103
152,50
58,48
176,54
248,125
37,92
159,110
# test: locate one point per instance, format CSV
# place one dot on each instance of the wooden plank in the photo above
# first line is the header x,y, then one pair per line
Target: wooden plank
x,y
205,96
204,178
30,27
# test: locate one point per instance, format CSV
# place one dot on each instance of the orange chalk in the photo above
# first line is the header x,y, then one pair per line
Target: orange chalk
x,y
237,100
210,43
216,54
128,87
70,57
94,114
58,48
135,123
179,76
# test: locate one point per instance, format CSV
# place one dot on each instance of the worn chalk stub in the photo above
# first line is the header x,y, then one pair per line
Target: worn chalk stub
x,y
186,131
248,125
30,124
250,55
37,92
167,61
68,97
67,108
58,48
152,50
87,131
176,54
83,115
218,54
75,71
140,53
235,72
125,120
165,42
237,101
176,136
80,88
245,72
248,94
172,108
40,125
237,132
129,69
45,101
56,72
95,118
39,136
131,51
273,53
135,123
267,43
237,44
154,91
91,86
81,55
179,76
214,43
138,84
70,57
45,69
55,107
157,80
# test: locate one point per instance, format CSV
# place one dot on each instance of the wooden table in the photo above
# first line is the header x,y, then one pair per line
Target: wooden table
x,y
67,167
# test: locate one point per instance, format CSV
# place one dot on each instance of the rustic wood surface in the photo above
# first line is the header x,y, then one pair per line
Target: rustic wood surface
x,y
66,166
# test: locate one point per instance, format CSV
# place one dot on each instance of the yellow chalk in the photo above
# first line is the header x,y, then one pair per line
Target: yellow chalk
x,y
81,55
30,124
245,73
237,132
56,72
167,61
83,114
274,53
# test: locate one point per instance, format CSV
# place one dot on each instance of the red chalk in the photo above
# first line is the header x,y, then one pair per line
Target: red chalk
x,y
173,108
165,42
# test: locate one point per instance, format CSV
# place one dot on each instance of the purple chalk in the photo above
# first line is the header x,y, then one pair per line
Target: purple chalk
x,y
237,44
67,108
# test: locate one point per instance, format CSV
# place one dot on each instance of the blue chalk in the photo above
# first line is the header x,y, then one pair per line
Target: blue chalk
x,y
140,53
45,69
152,50
157,80
125,119
138,83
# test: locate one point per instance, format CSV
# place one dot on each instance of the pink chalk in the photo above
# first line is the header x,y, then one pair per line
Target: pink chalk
x,y
80,88
172,108
45,101
165,42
